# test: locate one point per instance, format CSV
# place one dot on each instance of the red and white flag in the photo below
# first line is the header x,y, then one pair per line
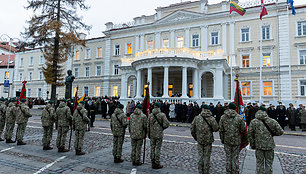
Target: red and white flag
x,y
263,10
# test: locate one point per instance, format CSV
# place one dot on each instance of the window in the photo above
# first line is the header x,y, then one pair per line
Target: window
x,y
20,76
149,44
31,60
129,48
180,42
98,91
87,53
41,60
87,71
39,92
76,72
214,38
21,62
302,28
266,59
77,55
6,75
245,34
267,88
117,50
29,92
165,43
245,61
303,87
75,90
303,57
86,90
30,76
265,32
40,75
99,52
116,69
195,40
98,70
246,89
115,91
129,91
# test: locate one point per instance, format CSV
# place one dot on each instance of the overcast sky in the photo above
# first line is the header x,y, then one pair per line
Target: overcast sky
x,y
13,15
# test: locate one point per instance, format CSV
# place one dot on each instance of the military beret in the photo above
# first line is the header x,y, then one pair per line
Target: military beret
x,y
82,102
51,102
262,108
120,106
139,106
14,100
65,100
2,99
157,104
23,100
206,106
232,106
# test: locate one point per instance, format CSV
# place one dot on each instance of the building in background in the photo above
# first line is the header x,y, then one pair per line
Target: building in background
x,y
6,74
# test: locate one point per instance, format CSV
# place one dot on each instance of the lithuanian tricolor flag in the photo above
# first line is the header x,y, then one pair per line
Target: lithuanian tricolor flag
x,y
235,7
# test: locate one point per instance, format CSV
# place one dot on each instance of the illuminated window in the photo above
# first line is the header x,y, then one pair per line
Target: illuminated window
x,y
165,43
6,75
87,71
21,62
214,38
117,50
180,42
245,35
267,88
98,91
86,90
129,48
77,55
302,28
170,90
115,91
195,40
265,33
98,70
245,61
99,52
129,91
149,44
145,91
190,89
266,60
87,53
74,90
303,57
31,60
246,88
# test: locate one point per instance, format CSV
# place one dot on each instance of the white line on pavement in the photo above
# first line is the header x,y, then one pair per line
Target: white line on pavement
x,y
49,165
7,149
134,170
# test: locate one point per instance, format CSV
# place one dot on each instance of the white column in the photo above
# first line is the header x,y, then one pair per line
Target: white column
x,y
137,43
172,39
138,91
166,81
142,42
157,40
218,89
150,80
232,56
187,37
195,80
224,38
184,82
123,86
204,38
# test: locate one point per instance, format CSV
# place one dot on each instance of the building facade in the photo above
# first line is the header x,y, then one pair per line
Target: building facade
x,y
189,51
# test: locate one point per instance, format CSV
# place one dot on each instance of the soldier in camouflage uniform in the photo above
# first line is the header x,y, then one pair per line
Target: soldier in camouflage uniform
x,y
2,116
231,127
22,120
11,114
80,121
63,119
47,120
202,129
137,128
157,123
118,125
262,140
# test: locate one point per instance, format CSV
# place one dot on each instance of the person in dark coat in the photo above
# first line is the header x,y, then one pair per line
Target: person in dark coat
x,y
212,109
272,112
104,108
292,114
298,118
281,115
219,110
92,112
252,112
196,110
185,109
189,113
179,111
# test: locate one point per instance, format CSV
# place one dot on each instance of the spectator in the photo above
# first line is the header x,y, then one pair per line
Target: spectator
x,y
219,111
272,112
281,115
172,114
292,114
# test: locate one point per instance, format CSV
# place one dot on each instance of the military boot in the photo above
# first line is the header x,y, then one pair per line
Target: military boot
x,y
9,141
158,166
49,148
64,150
79,152
21,143
153,165
45,148
119,160
1,139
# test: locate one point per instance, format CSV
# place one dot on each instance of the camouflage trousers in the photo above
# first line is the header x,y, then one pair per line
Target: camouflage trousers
x,y
136,150
264,161
61,136
2,125
117,146
47,136
204,158
155,145
79,139
232,155
20,131
9,131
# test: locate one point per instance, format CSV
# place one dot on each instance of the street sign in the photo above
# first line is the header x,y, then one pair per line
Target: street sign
x,y
6,83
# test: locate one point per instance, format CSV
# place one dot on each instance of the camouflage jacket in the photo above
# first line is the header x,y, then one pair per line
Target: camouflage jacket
x,y
201,131
2,111
231,127
23,114
11,113
80,119
155,129
259,135
63,115
303,116
47,116
118,122
138,124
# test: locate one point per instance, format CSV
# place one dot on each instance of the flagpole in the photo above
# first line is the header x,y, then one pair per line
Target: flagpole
x,y
260,69
290,86
231,65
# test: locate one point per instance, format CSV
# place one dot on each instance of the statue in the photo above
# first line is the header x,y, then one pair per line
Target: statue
x,y
68,81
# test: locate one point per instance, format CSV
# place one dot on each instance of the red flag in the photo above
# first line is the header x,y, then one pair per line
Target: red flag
x,y
146,102
263,10
75,103
23,94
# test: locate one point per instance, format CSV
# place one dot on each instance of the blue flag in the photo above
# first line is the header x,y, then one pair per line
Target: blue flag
x,y
291,5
